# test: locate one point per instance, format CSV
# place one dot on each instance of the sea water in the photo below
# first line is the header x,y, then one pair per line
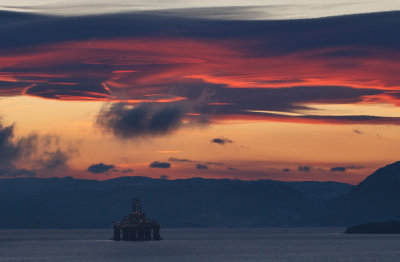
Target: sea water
x,y
292,244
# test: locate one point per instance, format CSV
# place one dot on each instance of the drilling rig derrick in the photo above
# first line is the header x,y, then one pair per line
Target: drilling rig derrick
x,y
136,227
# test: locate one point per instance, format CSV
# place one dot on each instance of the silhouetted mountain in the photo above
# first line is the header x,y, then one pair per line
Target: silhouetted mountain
x,y
390,227
320,192
67,202
374,199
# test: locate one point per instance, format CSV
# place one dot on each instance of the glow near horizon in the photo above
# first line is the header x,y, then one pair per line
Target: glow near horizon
x,y
269,145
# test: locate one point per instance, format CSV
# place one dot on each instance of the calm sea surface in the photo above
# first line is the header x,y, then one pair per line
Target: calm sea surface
x,y
312,244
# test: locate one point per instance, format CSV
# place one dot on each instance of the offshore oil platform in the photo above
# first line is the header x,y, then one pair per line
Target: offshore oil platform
x,y
136,227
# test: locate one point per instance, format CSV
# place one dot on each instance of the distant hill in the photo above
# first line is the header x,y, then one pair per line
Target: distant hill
x,y
320,192
389,227
375,199
197,202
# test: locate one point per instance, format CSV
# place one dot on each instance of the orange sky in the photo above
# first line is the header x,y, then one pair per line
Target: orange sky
x,y
323,112
260,149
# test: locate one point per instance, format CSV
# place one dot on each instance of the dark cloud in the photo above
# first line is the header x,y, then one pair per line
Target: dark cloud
x,y
142,120
273,103
328,32
358,131
73,64
54,160
180,160
221,140
100,168
232,168
52,156
128,170
83,89
164,177
157,164
9,150
201,166
27,155
215,163
286,170
339,169
286,99
305,168
355,167
344,168
350,119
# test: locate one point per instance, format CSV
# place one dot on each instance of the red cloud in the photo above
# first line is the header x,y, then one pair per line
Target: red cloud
x,y
134,70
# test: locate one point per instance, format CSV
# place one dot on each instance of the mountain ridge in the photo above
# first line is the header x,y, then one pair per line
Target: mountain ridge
x,y
77,203
200,202
373,200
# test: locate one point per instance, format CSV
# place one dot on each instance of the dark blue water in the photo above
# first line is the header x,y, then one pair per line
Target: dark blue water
x,y
315,244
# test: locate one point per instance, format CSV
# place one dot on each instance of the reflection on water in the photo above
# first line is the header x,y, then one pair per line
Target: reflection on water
x,y
305,244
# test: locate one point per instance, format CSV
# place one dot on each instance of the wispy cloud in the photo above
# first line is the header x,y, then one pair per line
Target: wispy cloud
x,y
218,9
201,166
263,63
32,154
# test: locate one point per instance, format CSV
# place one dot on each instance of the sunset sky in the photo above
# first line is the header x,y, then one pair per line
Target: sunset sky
x,y
216,89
